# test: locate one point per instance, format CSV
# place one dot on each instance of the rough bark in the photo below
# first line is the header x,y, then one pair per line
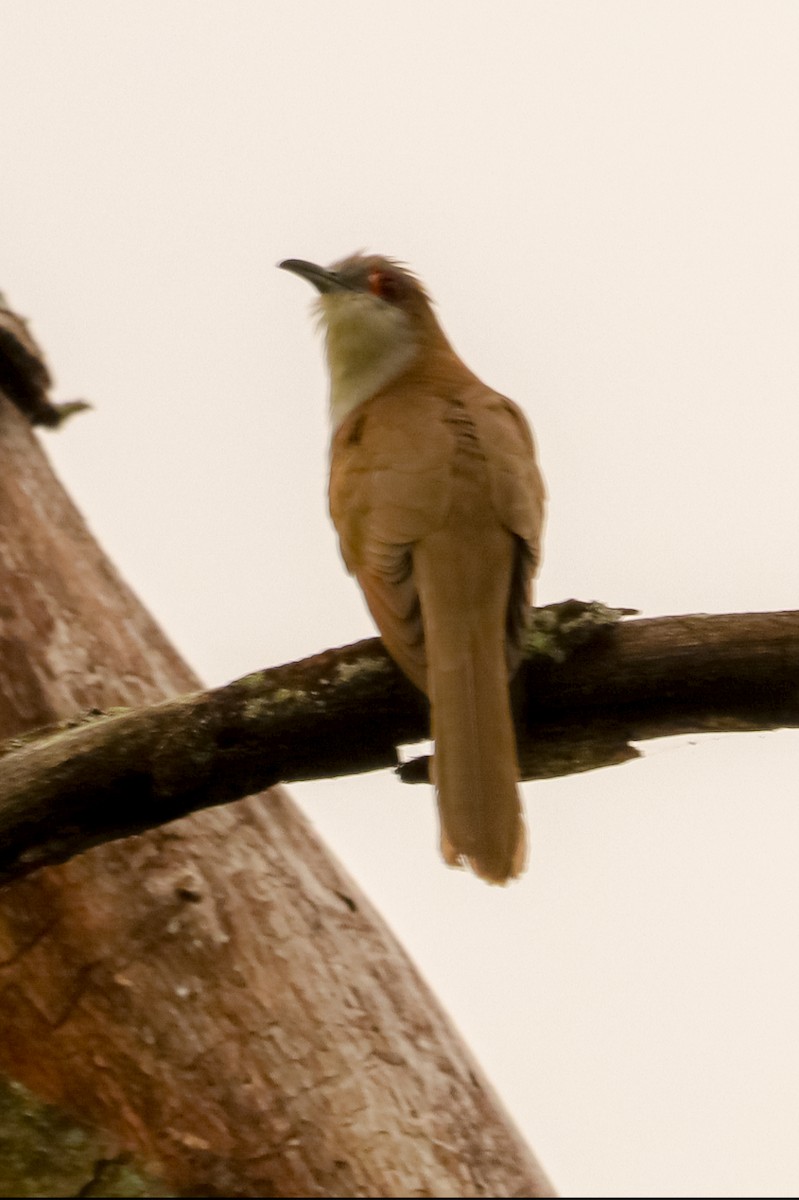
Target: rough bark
x,y
215,996
590,687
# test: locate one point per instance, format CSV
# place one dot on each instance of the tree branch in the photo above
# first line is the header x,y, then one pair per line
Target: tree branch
x,y
588,687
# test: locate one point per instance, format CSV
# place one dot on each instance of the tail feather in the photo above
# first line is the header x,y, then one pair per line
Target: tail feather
x,y
475,766
464,575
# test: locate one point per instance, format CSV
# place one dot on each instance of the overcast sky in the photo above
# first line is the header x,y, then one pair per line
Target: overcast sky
x,y
603,199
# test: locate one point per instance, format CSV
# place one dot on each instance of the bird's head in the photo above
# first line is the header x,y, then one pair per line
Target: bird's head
x,y
377,319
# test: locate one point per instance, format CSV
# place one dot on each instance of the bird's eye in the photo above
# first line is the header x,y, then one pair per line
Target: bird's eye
x,y
383,285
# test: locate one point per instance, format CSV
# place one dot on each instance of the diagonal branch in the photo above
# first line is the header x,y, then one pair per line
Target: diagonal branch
x,y
589,686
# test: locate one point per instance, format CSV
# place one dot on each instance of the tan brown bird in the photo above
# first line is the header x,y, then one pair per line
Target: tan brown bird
x,y
438,502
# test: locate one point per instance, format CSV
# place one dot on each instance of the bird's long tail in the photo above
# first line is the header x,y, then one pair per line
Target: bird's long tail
x,y
475,765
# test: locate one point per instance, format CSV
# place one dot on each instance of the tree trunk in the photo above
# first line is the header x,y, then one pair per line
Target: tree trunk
x,y
216,997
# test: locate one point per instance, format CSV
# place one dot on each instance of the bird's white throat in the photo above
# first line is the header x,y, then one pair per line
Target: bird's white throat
x,y
369,344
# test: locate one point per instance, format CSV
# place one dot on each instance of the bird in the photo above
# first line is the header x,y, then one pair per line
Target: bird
x,y
438,501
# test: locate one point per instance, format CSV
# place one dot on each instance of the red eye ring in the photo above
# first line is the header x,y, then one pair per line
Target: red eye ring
x,y
382,285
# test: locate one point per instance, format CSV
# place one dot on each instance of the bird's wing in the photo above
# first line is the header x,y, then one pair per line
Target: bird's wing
x,y
390,484
517,489
518,497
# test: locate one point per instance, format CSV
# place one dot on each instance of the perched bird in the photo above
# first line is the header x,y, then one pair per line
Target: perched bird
x,y
438,503
24,375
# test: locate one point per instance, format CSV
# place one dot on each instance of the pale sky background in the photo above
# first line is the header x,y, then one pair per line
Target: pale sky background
x,y
604,200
